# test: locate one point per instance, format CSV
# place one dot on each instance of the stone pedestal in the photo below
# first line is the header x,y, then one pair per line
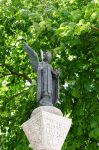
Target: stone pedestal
x,y
47,128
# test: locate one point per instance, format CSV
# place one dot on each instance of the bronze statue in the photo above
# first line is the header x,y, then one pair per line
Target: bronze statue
x,y
47,77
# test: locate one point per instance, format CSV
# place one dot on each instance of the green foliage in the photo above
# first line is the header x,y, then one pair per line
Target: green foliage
x,y
70,30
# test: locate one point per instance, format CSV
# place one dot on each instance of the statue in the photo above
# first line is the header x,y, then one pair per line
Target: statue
x,y
47,77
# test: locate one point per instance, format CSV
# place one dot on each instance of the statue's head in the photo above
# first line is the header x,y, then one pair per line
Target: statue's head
x,y
47,57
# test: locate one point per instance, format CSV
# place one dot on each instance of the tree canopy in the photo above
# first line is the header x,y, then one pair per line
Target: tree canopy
x,y
70,30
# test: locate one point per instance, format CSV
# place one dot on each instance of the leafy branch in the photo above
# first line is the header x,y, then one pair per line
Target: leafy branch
x,y
17,94
5,74
8,99
13,72
95,28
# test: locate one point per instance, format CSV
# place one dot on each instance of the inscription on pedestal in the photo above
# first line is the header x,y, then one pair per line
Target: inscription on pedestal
x,y
45,130
55,131
33,130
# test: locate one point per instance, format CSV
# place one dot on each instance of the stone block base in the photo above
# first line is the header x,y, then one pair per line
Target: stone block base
x,y
47,128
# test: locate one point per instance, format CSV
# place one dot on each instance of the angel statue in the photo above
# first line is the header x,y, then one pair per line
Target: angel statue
x,y
47,77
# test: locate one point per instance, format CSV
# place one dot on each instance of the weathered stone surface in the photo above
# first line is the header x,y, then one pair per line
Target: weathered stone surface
x,y
49,109
47,128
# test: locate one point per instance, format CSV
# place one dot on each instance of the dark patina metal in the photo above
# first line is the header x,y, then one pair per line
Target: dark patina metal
x,y
47,77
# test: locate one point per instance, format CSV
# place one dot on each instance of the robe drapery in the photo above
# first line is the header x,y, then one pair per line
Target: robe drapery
x,y
48,85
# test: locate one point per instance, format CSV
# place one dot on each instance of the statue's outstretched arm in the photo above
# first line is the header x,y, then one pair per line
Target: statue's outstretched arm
x,y
34,60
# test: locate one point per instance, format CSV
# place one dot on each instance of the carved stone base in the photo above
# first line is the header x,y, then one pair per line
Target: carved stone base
x,y
47,128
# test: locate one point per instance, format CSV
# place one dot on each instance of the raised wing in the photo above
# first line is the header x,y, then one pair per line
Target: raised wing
x,y
34,60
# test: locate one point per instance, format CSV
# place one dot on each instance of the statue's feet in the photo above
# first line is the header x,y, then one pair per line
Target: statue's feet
x,y
45,102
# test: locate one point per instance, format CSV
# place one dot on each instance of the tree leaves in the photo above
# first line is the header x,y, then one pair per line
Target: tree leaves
x,y
70,30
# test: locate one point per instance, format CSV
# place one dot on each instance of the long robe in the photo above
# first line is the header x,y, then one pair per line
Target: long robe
x,y
47,85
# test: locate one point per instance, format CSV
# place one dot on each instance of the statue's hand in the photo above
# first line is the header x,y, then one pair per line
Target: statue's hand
x,y
58,71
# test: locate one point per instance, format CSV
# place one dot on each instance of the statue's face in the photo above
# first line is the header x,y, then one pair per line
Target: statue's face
x,y
47,56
